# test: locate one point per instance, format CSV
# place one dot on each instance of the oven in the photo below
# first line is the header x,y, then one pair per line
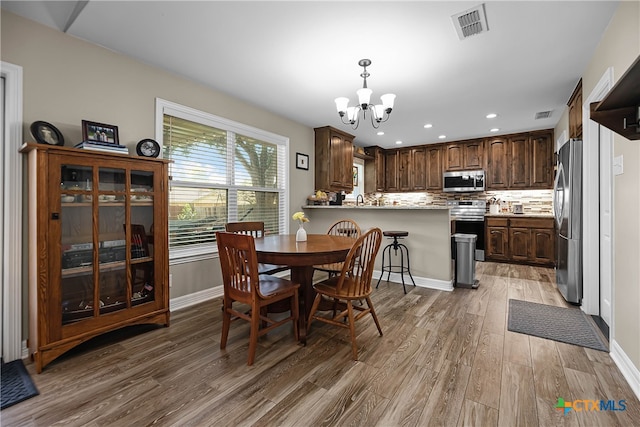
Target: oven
x,y
468,217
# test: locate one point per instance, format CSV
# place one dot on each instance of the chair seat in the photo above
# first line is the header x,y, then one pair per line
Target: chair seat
x,y
271,286
395,233
328,288
335,267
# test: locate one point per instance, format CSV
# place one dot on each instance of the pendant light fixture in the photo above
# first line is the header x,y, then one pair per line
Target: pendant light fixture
x,y
379,113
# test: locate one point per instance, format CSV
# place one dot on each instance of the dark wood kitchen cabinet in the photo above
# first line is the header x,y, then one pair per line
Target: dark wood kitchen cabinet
x,y
575,112
464,155
520,161
374,170
391,162
412,169
541,151
434,167
333,160
520,240
497,238
98,246
497,170
405,169
418,169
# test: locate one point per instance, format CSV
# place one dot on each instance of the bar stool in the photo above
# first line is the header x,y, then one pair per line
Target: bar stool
x,y
395,245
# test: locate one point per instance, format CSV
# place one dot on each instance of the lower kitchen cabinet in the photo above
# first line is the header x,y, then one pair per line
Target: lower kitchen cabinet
x,y
520,240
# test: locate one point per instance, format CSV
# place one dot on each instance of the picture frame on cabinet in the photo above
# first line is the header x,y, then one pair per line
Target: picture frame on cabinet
x,y
302,161
46,133
99,132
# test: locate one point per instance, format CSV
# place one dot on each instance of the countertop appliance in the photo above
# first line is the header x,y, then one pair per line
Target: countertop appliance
x,y
463,181
467,217
567,209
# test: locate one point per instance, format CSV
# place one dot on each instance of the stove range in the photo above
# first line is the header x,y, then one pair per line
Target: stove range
x,y
467,217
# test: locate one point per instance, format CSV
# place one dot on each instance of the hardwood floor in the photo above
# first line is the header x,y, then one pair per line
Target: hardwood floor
x,y
446,358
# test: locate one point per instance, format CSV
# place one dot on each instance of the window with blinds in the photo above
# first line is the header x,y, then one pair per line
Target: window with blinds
x,y
221,172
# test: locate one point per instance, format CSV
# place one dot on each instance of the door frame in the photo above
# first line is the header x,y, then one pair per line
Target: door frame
x,y
591,206
12,348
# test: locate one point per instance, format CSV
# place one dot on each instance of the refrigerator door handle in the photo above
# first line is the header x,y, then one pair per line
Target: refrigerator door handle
x,y
558,195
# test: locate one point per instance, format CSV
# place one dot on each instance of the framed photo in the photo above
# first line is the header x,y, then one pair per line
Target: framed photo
x,y
46,133
302,161
99,132
355,176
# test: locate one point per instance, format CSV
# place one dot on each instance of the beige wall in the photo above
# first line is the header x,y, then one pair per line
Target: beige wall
x,y
619,47
66,80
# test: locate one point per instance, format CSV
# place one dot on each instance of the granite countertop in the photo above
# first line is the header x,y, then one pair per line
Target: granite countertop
x,y
524,215
386,207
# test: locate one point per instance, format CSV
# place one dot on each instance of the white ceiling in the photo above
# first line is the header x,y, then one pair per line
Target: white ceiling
x,y
294,58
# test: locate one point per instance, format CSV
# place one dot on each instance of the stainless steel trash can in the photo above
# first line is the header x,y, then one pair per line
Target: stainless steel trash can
x,y
465,262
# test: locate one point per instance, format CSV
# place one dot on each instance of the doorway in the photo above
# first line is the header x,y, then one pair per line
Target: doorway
x,y
598,213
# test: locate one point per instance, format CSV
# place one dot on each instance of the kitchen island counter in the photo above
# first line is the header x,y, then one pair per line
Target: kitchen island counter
x,y
429,239
385,207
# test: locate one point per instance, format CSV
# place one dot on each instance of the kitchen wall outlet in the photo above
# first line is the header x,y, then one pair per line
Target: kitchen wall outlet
x,y
170,280
618,165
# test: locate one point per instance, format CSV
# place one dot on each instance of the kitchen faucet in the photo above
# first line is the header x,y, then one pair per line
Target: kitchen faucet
x,y
360,197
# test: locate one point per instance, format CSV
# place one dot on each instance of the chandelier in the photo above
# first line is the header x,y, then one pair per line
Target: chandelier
x,y
379,113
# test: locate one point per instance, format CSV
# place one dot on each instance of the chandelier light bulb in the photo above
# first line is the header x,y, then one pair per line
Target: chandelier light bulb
x,y
387,101
341,105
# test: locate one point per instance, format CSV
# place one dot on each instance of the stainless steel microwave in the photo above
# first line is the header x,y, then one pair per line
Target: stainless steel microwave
x,y
463,181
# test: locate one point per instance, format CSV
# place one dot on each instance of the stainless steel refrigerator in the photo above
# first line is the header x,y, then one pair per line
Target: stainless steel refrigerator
x,y
567,206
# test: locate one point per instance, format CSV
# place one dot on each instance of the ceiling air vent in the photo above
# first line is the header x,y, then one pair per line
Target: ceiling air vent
x,y
543,114
470,22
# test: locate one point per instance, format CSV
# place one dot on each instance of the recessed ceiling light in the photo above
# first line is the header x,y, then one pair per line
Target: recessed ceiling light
x,y
398,142
494,130
380,133
428,125
492,116
442,136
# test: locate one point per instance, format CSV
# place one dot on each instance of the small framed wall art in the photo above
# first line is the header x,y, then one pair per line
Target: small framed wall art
x,y
46,133
302,161
99,132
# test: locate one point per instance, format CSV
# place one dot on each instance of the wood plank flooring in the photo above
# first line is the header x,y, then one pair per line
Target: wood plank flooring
x,y
445,359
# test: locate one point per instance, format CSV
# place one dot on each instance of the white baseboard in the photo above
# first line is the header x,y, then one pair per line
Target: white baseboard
x,y
629,371
195,298
423,282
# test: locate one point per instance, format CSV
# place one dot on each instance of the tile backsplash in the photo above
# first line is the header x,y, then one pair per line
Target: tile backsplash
x,y
533,201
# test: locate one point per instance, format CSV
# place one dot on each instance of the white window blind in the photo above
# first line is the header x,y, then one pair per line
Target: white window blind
x,y
221,172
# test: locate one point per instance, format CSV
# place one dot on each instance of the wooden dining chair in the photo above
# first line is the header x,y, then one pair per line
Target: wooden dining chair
x,y
343,227
243,284
353,283
255,229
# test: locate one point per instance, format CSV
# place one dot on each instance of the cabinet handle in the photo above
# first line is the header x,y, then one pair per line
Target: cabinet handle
x,y
55,215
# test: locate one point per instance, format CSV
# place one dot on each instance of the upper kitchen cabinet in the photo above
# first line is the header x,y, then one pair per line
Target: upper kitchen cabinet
x,y
412,167
541,151
497,170
620,109
575,112
520,161
464,155
374,170
333,159
391,161
419,168
434,167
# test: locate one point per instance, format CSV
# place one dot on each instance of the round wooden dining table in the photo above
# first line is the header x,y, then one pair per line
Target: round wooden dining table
x,y
282,249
